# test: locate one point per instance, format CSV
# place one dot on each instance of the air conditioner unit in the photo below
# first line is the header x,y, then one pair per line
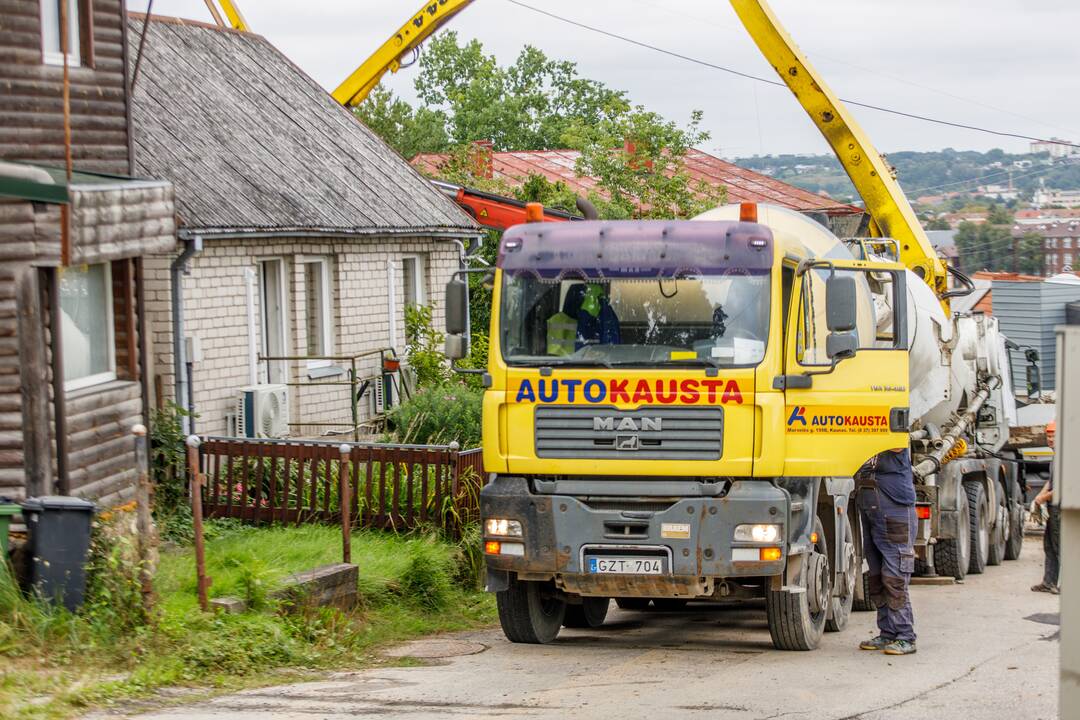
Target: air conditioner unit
x,y
376,396
263,411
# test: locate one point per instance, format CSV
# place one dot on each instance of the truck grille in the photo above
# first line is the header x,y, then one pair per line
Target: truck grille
x,y
649,433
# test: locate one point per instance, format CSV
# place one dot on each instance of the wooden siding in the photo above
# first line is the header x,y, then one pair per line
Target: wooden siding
x,y
31,108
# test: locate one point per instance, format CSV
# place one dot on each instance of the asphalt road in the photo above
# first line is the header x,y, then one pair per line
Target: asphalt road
x,y
979,657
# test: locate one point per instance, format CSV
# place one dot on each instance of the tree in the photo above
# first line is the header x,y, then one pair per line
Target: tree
x,y
992,247
406,130
1029,253
937,223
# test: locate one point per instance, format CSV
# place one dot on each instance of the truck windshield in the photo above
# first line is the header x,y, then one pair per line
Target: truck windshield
x,y
604,317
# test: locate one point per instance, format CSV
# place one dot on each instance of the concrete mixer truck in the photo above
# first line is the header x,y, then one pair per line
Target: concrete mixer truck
x,y
675,410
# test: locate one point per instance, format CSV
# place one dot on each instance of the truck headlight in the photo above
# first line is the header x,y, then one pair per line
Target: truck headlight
x,y
757,533
501,527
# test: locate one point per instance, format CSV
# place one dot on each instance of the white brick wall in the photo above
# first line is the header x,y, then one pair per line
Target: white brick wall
x,y
215,310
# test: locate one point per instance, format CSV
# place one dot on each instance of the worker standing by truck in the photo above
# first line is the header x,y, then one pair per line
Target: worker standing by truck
x,y
886,501
1052,533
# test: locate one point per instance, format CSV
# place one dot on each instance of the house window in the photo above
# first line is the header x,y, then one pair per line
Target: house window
x,y
1067,243
272,305
86,326
78,30
318,310
1067,259
413,272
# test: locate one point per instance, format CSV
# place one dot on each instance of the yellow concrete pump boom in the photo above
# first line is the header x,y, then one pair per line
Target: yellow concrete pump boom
x,y
890,213
429,18
232,13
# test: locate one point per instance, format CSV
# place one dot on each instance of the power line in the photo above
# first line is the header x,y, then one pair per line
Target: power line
x,y
996,173
777,83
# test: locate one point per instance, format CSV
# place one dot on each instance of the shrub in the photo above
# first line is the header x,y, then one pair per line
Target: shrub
x,y
438,416
168,471
424,349
426,580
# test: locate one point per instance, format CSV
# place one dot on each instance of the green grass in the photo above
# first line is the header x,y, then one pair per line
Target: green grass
x,y
55,665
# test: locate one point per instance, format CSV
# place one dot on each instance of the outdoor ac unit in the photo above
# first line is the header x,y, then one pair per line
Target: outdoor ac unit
x,y
263,411
376,396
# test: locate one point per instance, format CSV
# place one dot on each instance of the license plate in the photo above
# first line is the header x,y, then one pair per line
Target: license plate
x,y
626,565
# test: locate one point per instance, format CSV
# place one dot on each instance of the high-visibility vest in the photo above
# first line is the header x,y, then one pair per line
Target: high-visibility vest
x,y
561,334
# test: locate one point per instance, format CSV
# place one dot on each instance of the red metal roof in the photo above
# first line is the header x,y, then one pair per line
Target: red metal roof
x,y
742,185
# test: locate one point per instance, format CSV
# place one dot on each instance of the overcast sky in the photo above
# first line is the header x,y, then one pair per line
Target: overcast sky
x,y
1009,65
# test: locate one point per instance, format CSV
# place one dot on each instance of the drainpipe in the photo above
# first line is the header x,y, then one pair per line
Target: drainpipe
x,y
179,267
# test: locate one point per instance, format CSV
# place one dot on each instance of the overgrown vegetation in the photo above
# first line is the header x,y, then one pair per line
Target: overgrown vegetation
x,y
55,664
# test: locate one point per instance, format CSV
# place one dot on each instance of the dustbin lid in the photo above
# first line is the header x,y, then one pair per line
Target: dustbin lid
x,y
6,509
57,502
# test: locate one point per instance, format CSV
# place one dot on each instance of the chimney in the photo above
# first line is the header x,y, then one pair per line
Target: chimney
x,y
482,162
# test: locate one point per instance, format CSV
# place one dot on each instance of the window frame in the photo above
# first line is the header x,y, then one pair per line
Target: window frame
x,y
81,36
327,309
419,272
110,339
273,367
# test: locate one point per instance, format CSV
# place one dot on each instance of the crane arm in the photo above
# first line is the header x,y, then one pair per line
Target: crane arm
x,y
890,212
232,12
433,15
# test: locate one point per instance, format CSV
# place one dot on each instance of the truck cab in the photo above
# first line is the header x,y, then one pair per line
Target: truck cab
x,y
675,411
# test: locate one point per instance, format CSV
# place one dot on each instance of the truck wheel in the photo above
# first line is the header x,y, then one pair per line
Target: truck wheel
x,y
589,614
862,594
1015,541
840,607
669,604
980,526
952,555
530,612
797,619
1000,534
632,603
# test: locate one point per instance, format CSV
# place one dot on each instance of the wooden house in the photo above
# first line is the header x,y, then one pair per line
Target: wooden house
x,y
73,365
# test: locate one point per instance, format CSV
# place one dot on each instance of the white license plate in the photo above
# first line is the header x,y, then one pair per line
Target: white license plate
x,y
626,565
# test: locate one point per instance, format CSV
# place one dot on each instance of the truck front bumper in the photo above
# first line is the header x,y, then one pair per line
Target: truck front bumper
x,y
694,536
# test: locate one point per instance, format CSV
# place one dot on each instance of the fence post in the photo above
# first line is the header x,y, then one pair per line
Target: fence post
x,y
143,522
345,500
197,480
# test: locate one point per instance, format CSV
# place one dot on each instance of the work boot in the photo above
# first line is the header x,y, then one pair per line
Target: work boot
x,y
877,643
900,647
1043,587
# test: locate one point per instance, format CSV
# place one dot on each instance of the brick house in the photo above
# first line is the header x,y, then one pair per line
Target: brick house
x,y
305,235
73,363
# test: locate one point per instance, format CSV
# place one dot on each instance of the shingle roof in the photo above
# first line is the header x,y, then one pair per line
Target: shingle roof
x,y
742,185
252,144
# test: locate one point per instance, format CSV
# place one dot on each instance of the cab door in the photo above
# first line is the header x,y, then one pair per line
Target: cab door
x,y
846,379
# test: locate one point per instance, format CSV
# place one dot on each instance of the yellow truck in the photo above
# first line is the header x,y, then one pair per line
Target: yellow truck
x,y
675,410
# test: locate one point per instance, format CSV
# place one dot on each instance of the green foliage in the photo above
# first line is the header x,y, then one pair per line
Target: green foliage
x,y
638,159
406,130
992,247
440,415
424,349
937,224
168,472
426,579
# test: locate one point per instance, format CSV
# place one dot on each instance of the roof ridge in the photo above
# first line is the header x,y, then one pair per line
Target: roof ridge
x,y
176,20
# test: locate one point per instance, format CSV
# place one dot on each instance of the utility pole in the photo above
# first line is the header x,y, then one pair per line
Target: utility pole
x,y
1067,491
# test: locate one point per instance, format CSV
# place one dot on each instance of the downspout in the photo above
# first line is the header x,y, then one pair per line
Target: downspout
x,y
176,269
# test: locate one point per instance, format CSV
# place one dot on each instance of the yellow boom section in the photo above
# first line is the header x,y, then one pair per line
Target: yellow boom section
x,y
426,21
889,210
232,12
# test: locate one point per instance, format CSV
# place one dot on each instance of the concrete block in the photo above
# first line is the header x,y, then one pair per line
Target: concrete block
x,y
228,605
328,585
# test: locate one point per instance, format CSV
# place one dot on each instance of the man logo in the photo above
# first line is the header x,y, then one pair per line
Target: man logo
x,y
627,442
646,424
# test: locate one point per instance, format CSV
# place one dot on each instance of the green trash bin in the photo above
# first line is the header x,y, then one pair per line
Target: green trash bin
x,y
6,513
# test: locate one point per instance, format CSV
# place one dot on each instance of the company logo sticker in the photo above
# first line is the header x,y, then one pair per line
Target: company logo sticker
x,y
663,392
826,421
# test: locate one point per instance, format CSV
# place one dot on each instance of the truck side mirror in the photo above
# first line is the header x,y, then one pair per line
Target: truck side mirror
x,y
1034,380
841,315
457,318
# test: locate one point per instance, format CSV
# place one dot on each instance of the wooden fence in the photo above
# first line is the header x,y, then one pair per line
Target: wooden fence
x,y
392,486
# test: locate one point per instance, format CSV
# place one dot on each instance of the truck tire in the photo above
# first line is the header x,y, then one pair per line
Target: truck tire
x,y
840,607
1015,542
979,510
796,621
633,603
589,614
999,536
669,604
953,555
862,598
530,612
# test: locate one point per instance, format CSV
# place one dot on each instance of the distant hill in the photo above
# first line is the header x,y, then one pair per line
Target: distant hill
x,y
927,173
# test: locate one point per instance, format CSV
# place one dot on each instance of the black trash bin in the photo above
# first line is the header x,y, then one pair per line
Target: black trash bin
x,y
59,540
